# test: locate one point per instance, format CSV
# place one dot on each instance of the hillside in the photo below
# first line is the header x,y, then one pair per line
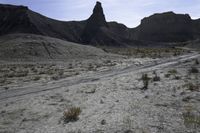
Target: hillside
x,y
30,47
19,19
164,27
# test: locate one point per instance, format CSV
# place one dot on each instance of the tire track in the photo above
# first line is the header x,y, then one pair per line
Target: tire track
x,y
36,89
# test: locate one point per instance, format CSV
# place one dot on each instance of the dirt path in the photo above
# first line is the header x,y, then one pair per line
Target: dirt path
x,y
27,91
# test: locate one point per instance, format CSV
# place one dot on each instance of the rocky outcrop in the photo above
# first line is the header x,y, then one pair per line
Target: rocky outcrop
x,y
196,28
97,19
15,19
19,19
94,24
99,32
166,27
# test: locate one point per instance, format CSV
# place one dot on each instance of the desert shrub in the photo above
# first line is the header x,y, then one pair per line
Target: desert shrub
x,y
145,80
156,77
72,114
70,66
193,70
2,80
91,67
55,77
21,74
41,72
144,52
167,51
61,72
173,71
58,75
51,71
167,75
191,119
13,68
16,74
192,87
36,78
108,61
6,88
33,69
9,75
196,61
175,54
177,77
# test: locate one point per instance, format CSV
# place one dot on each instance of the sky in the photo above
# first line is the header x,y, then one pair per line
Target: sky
x,y
128,12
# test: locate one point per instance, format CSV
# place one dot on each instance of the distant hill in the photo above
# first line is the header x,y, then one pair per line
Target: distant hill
x,y
164,27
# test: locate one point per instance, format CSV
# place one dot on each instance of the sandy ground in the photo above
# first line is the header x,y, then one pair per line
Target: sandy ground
x,y
111,98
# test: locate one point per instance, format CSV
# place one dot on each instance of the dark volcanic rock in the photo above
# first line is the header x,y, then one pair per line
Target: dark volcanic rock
x,y
15,19
19,19
166,27
93,31
97,18
99,32
196,28
94,24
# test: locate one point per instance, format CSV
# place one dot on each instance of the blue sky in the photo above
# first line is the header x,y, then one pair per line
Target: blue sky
x,y
128,12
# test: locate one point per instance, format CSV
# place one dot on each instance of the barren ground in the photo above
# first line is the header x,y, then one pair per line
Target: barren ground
x,y
109,92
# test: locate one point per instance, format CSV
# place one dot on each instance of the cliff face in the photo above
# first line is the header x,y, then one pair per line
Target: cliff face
x,y
93,31
15,19
19,19
99,32
196,28
164,27
97,19
94,24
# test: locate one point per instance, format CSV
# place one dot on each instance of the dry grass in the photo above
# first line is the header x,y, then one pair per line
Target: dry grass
x,y
71,114
196,62
28,72
146,52
145,79
191,118
173,72
192,87
167,75
193,70
37,78
2,80
156,77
